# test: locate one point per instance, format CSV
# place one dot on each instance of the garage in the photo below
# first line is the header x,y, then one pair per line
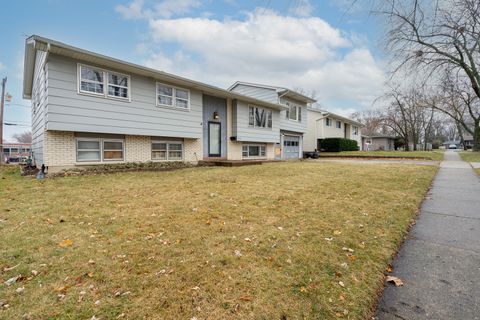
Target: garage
x,y
291,147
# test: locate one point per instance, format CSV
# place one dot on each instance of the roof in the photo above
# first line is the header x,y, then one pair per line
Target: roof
x,y
326,113
35,42
283,92
381,136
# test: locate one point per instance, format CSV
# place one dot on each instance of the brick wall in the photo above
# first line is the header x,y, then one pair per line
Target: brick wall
x,y
138,148
59,148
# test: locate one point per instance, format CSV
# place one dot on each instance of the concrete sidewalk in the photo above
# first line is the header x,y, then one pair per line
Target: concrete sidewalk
x,y
439,262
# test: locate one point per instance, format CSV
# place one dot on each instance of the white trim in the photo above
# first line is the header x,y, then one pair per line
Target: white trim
x,y
264,145
113,140
173,97
101,150
266,121
105,83
167,150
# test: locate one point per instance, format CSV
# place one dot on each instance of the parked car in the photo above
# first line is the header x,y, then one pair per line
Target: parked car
x,y
311,154
452,146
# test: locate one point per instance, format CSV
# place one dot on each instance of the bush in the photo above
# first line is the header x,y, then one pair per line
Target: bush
x,y
122,167
338,144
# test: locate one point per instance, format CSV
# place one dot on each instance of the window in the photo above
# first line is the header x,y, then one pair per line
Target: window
x,y
88,150
355,130
166,150
328,121
259,117
112,150
97,150
338,124
253,151
294,112
172,97
95,80
117,85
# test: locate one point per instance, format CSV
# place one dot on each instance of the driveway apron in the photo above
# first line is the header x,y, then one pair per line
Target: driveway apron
x,y
439,262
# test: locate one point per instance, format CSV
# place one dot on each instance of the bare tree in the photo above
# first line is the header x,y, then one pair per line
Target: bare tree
x,y
24,137
372,121
428,36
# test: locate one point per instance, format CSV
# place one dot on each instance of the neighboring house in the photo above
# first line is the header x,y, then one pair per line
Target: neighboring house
x,y
323,124
378,142
14,151
90,109
468,141
292,121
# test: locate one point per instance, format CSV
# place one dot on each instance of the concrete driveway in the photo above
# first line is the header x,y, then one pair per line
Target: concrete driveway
x,y
439,262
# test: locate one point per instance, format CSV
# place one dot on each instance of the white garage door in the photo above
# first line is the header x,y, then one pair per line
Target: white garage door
x,y
291,147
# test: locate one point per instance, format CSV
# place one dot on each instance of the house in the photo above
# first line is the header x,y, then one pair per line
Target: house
x,y
378,142
15,151
450,143
90,109
468,141
323,124
293,121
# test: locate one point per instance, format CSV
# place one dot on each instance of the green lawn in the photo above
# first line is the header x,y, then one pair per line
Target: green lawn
x,y
470,156
436,155
277,241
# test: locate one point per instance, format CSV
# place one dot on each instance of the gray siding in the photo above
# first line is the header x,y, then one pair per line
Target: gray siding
x,y
244,132
291,125
264,94
210,105
39,102
70,111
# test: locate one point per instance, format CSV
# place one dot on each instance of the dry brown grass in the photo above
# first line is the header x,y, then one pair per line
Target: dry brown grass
x,y
169,239
470,156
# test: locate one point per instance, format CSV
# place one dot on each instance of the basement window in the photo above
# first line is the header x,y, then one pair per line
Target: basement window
x,y
99,150
249,151
167,150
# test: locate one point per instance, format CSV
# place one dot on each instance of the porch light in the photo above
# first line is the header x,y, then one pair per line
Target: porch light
x,y
216,116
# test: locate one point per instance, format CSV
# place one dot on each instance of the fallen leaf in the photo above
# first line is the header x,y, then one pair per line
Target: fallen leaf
x,y
337,232
389,269
394,280
65,243
245,298
341,284
303,289
329,238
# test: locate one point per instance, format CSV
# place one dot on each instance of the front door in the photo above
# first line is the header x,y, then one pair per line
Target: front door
x,y
214,139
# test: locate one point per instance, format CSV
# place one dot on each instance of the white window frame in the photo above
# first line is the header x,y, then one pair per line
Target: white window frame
x,y
101,149
336,124
260,156
267,120
328,122
88,139
105,83
297,112
174,97
167,150
355,130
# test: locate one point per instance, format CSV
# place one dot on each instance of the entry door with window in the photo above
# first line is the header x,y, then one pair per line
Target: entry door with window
x,y
214,139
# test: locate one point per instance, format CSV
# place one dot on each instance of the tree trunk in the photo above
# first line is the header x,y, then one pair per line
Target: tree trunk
x,y
460,133
476,137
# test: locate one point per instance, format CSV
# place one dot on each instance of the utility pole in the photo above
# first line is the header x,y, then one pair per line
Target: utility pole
x,y
2,104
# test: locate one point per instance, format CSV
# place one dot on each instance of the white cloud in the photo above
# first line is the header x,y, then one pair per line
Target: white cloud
x,y
138,9
269,48
302,8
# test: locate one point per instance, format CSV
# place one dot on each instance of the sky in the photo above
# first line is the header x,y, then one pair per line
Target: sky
x,y
328,48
